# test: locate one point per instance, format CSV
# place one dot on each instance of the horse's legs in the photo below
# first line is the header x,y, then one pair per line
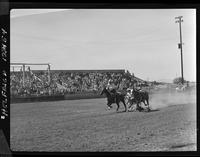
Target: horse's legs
x,y
139,108
148,104
144,103
109,105
117,105
124,105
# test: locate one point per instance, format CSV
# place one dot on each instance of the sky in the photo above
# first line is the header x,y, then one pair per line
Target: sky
x,y
143,41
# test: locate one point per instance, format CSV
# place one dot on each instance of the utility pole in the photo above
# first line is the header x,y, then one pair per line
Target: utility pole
x,y
179,20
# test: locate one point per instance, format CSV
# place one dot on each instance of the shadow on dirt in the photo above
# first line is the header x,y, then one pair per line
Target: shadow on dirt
x,y
152,110
121,112
145,110
173,105
181,145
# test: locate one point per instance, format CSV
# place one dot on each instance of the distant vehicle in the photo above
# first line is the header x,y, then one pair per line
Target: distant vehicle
x,y
181,88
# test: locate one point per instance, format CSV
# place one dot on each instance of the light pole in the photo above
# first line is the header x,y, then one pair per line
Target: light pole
x,y
179,20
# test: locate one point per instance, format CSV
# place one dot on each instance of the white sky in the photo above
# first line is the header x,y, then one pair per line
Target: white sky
x,y
25,12
143,41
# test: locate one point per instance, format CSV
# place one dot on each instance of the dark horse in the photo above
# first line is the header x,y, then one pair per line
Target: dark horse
x,y
141,96
114,97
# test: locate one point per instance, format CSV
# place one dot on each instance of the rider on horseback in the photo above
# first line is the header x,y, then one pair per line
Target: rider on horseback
x,y
112,88
130,93
130,96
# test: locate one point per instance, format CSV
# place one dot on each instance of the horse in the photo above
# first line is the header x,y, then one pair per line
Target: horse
x,y
140,96
114,98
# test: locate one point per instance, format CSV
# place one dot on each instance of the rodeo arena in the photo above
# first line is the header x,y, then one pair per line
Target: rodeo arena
x,y
98,110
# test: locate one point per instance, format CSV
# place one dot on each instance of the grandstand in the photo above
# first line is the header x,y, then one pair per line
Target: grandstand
x,y
26,68
91,71
26,81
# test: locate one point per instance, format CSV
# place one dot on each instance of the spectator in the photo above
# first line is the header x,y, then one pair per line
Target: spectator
x,y
67,82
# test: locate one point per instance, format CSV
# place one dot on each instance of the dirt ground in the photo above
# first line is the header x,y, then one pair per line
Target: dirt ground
x,y
87,125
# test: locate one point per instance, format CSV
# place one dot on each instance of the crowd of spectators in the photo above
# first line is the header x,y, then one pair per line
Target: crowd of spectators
x,y
61,82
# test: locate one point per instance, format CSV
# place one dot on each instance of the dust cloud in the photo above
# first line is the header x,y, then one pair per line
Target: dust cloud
x,y
169,96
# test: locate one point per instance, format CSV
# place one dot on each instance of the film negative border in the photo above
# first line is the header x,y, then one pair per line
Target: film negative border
x,y
5,75
4,79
